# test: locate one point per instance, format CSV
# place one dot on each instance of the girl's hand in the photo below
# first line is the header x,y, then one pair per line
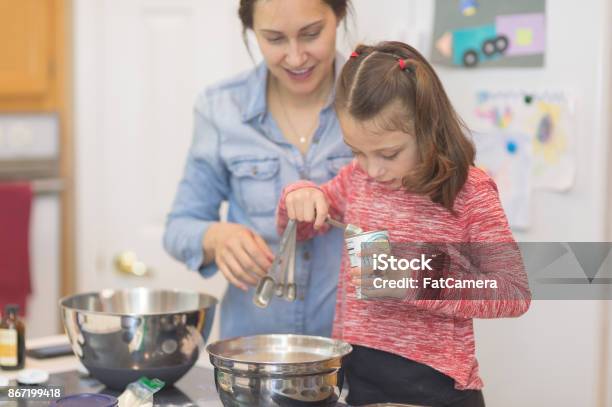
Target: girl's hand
x,y
413,290
365,280
307,205
242,256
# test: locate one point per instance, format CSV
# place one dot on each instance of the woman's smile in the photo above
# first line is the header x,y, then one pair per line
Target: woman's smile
x,y
300,74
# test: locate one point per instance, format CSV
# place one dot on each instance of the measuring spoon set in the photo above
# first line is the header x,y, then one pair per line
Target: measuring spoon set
x,y
280,280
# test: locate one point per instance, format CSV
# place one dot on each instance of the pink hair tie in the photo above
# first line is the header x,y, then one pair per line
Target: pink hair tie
x,y
402,64
354,54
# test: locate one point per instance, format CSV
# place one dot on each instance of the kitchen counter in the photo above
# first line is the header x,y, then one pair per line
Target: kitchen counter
x,y
196,388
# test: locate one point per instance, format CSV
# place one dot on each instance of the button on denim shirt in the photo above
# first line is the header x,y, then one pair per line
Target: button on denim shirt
x,y
239,154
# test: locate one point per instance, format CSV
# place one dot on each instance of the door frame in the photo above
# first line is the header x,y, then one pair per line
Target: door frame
x,y
88,80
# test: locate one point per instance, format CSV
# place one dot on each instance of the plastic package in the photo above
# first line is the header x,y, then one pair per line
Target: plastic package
x,y
140,393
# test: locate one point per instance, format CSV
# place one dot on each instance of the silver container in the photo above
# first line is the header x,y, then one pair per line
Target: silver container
x,y
123,335
278,370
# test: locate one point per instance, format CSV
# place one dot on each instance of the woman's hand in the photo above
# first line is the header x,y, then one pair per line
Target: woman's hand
x,y
242,256
307,205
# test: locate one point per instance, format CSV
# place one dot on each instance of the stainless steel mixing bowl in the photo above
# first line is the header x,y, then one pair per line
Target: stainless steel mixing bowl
x,y
123,335
278,370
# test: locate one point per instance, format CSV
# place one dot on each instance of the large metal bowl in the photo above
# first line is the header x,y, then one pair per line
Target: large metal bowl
x,y
278,370
122,335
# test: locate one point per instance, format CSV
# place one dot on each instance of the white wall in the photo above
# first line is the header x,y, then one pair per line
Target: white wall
x,y
553,355
43,311
607,314
606,371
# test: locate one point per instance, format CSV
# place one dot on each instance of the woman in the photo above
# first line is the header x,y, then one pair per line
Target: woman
x,y
254,134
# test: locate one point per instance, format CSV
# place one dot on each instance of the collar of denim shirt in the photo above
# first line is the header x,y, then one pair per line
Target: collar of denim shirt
x,y
257,81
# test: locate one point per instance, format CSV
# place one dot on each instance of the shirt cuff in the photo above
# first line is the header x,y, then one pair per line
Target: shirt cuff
x,y
194,251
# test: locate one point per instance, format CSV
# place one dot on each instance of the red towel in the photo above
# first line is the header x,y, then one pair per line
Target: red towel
x,y
15,205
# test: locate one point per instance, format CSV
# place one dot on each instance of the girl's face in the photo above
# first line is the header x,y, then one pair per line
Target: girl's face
x,y
386,156
298,41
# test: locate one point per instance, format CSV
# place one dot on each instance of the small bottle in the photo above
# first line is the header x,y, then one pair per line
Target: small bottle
x,y
12,339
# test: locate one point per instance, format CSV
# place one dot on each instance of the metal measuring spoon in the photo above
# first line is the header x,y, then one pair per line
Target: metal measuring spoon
x,y
287,266
279,288
349,229
267,285
264,292
290,289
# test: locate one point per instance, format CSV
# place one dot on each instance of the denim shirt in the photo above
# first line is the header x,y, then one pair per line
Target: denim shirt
x,y
239,154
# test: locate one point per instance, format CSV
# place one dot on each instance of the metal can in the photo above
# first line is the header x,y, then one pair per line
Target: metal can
x,y
354,245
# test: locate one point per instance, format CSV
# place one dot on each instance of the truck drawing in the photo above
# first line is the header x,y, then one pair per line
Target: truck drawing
x,y
509,35
475,44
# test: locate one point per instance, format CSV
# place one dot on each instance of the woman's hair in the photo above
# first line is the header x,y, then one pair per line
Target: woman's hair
x,y
246,11
392,84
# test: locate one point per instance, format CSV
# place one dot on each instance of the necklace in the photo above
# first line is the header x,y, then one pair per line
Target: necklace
x,y
304,138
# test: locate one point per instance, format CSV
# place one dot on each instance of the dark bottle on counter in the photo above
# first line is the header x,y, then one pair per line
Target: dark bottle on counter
x,y
12,339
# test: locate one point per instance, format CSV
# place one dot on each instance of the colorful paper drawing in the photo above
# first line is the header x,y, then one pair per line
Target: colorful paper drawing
x,y
545,117
468,7
489,33
525,33
550,126
473,45
506,157
498,116
444,45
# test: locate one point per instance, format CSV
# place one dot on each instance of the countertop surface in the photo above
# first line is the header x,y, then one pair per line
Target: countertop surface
x,y
196,388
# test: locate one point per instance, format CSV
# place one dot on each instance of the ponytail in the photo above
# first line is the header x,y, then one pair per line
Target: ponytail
x,y
375,77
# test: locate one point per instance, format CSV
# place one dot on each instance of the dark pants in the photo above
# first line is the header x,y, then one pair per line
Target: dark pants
x,y
375,376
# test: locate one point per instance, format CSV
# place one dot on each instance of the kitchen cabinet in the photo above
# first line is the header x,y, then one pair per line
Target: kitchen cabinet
x,y
35,68
26,58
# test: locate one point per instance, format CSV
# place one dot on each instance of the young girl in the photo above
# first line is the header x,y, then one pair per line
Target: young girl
x,y
413,176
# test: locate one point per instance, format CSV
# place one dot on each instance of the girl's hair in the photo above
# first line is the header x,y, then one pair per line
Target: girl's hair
x,y
396,76
246,10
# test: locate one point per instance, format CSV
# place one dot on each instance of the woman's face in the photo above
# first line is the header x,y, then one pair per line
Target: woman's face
x,y
298,41
386,156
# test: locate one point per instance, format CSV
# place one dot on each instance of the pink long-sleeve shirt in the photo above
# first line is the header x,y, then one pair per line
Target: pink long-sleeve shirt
x,y
438,333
